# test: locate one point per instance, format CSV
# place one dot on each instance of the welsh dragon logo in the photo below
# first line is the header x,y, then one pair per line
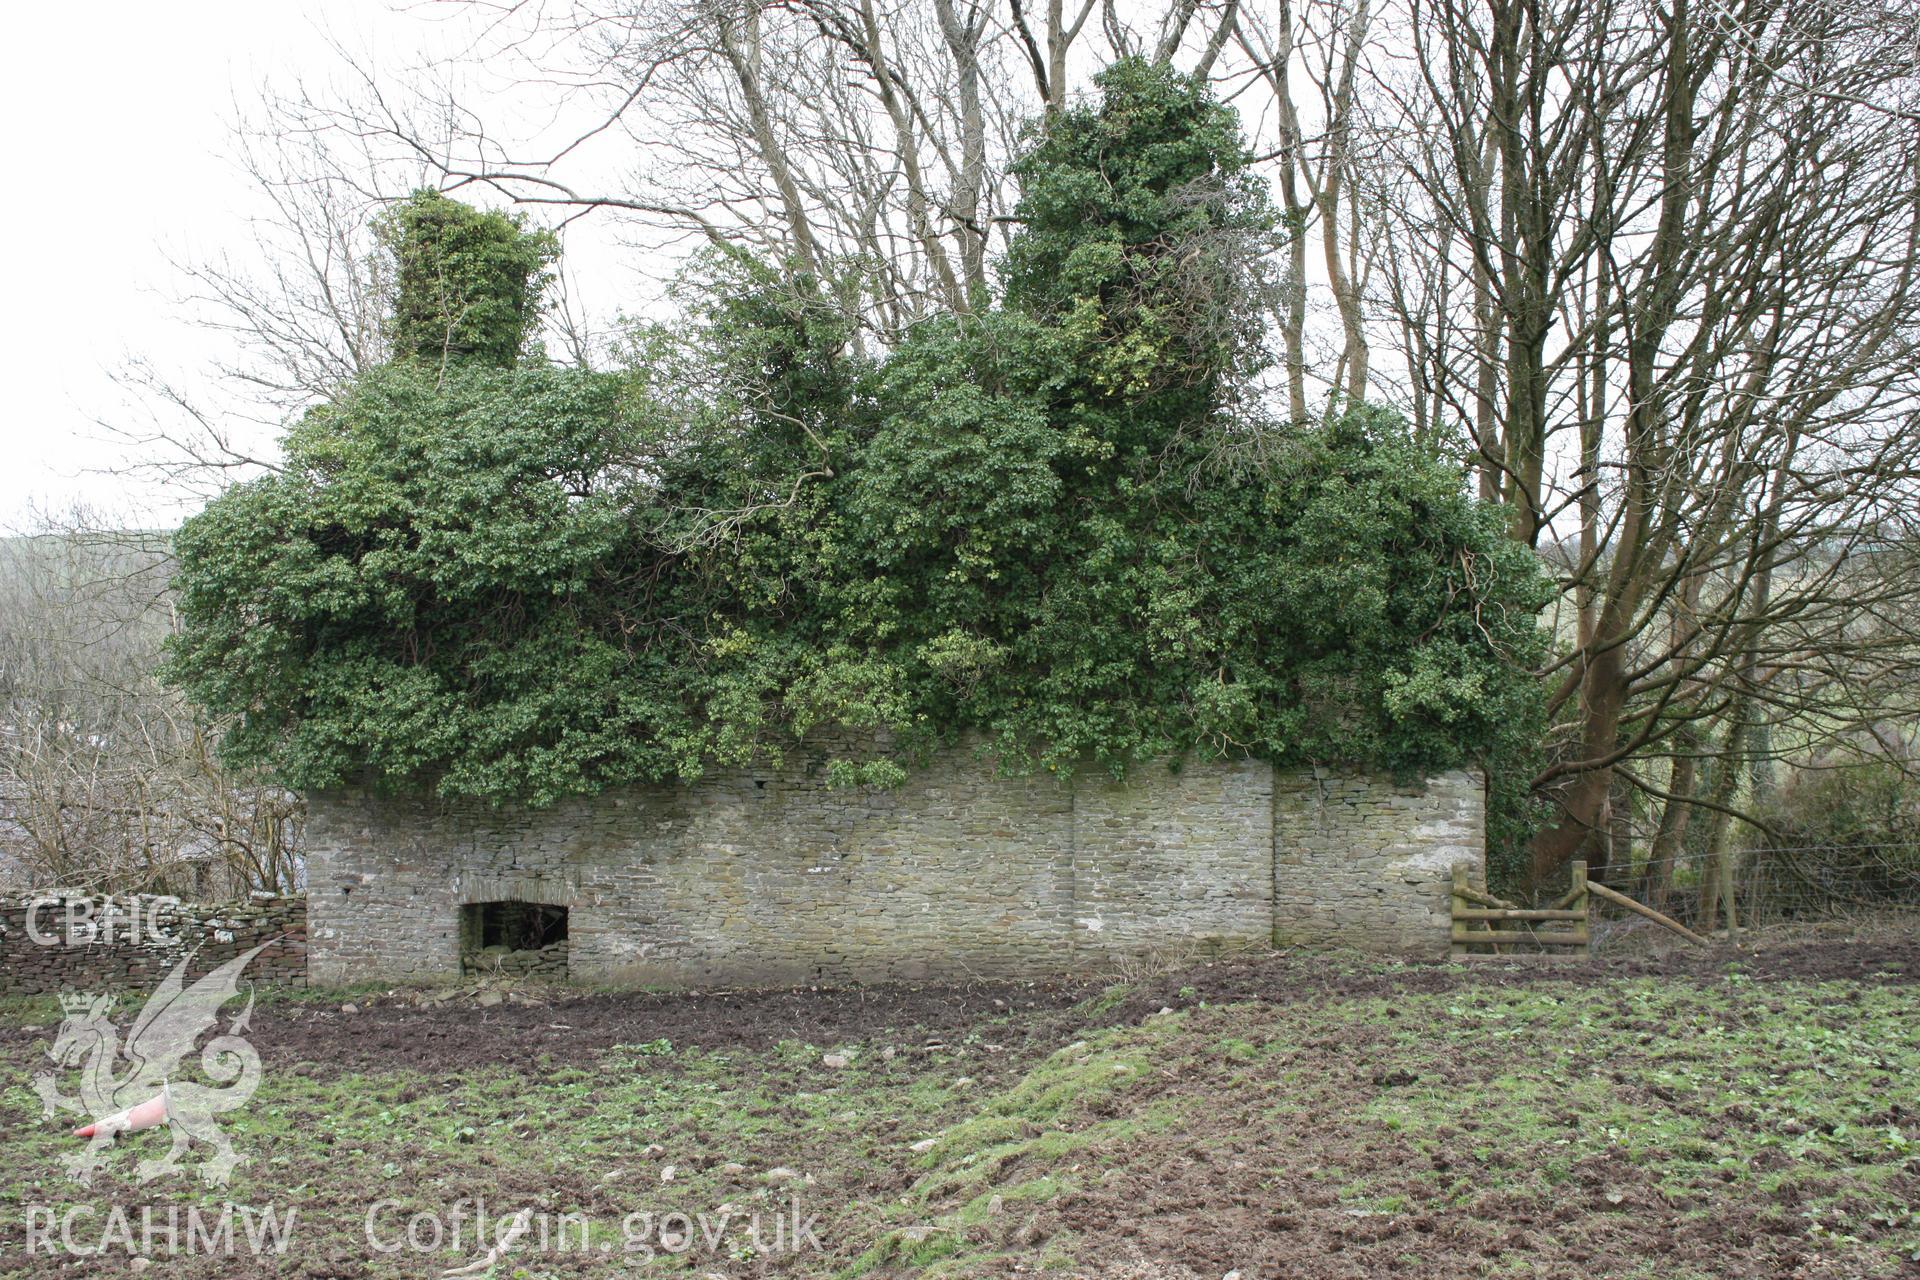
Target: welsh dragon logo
x,y
145,1090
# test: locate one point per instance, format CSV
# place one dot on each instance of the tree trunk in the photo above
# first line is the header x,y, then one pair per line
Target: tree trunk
x,y
1716,879
1656,879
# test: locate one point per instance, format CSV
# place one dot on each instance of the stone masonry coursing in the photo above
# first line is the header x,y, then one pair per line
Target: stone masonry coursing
x,y
770,876
98,944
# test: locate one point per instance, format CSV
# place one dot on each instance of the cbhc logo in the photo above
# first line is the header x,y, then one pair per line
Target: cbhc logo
x,y
84,921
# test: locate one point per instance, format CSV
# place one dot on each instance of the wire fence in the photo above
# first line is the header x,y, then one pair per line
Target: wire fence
x,y
1775,883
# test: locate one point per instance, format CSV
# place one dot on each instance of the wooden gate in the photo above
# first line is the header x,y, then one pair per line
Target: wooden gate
x,y
1484,925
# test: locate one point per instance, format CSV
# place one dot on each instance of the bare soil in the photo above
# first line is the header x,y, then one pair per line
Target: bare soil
x,y
1286,1160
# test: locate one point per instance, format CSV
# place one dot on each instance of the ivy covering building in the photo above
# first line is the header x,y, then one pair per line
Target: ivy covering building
x,y
1063,522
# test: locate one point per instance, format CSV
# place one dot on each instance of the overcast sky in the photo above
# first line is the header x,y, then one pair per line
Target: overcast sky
x,y
115,119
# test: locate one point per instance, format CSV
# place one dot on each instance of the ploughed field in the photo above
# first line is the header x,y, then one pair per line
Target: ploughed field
x,y
1743,1114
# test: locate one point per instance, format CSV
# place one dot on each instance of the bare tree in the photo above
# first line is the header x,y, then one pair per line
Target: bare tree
x,y
1675,317
1323,44
298,308
107,782
865,144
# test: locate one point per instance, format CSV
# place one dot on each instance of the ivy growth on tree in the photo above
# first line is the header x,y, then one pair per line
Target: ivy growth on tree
x,y
1054,523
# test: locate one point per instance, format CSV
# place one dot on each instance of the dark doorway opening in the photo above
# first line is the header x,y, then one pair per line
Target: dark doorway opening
x,y
525,938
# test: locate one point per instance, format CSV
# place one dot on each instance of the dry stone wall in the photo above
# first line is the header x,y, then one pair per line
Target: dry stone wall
x,y
548,963
771,876
56,943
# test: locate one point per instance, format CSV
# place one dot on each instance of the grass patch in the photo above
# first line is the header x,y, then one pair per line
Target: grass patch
x,y
1407,1125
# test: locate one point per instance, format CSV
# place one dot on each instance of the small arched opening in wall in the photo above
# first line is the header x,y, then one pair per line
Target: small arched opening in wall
x,y
513,939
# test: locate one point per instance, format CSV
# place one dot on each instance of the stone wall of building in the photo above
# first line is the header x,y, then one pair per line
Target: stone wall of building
x,y
56,943
770,876
1365,862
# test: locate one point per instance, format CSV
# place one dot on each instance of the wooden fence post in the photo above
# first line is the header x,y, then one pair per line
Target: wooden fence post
x,y
1456,923
1581,903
